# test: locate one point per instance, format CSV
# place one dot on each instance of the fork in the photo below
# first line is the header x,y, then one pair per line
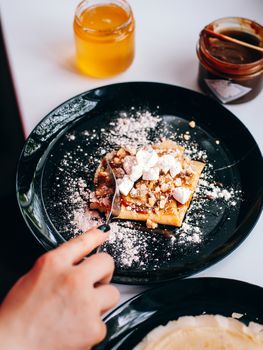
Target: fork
x,y
115,204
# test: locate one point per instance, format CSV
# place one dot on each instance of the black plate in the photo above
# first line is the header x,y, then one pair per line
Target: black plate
x,y
60,150
128,324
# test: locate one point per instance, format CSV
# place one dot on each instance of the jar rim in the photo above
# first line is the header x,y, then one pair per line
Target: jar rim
x,y
119,27
232,65
239,68
225,74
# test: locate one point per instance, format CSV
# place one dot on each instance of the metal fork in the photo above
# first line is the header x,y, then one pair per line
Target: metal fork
x,y
115,204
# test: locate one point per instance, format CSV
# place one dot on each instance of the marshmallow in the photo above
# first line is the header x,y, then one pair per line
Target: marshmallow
x,y
151,174
182,194
178,182
176,169
166,162
147,157
128,163
136,172
125,185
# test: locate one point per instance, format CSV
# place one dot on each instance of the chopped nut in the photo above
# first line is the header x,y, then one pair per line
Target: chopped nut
x,y
116,160
192,124
133,192
103,191
151,224
178,182
168,178
103,174
104,178
131,151
119,173
162,203
152,201
151,185
143,187
142,195
157,189
189,171
121,153
217,142
187,137
164,187
142,198
129,163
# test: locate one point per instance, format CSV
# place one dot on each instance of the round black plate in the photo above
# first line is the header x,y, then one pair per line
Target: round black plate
x,y
60,150
129,323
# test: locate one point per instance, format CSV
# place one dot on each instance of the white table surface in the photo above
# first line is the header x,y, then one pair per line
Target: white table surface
x,y
40,45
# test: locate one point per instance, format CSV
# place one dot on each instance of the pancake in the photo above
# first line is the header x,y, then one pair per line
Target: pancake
x,y
205,332
157,183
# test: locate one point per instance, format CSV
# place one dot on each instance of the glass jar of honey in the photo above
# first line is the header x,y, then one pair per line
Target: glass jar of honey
x,y
230,71
104,37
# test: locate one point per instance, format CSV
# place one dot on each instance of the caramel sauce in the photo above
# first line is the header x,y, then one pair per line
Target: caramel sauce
x,y
133,205
233,53
231,63
141,211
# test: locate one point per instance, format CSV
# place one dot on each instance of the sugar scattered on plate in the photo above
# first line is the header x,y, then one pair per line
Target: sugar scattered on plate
x,y
131,247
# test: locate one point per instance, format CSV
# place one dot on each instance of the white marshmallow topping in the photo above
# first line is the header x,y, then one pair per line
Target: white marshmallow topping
x,y
182,194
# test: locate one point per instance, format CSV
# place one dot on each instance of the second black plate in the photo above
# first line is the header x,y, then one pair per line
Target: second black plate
x,y
129,323
61,155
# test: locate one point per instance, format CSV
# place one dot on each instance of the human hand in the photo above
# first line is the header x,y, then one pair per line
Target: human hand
x,y
58,304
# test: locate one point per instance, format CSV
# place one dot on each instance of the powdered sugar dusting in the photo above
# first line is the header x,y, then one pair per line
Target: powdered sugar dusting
x,y
132,131
129,247
131,244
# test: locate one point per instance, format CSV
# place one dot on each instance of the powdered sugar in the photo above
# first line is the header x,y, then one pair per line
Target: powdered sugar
x,y
132,131
215,191
131,245
128,245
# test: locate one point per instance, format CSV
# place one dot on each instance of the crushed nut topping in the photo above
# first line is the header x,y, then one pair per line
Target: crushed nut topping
x,y
151,224
156,181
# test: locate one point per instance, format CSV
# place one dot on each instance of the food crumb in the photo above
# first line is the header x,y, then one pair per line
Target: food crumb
x,y
236,315
217,142
71,137
192,124
151,224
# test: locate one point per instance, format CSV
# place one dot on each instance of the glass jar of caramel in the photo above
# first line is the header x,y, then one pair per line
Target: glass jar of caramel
x,y
104,37
230,71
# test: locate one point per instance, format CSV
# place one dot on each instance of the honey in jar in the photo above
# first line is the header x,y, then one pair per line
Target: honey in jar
x,y
104,36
